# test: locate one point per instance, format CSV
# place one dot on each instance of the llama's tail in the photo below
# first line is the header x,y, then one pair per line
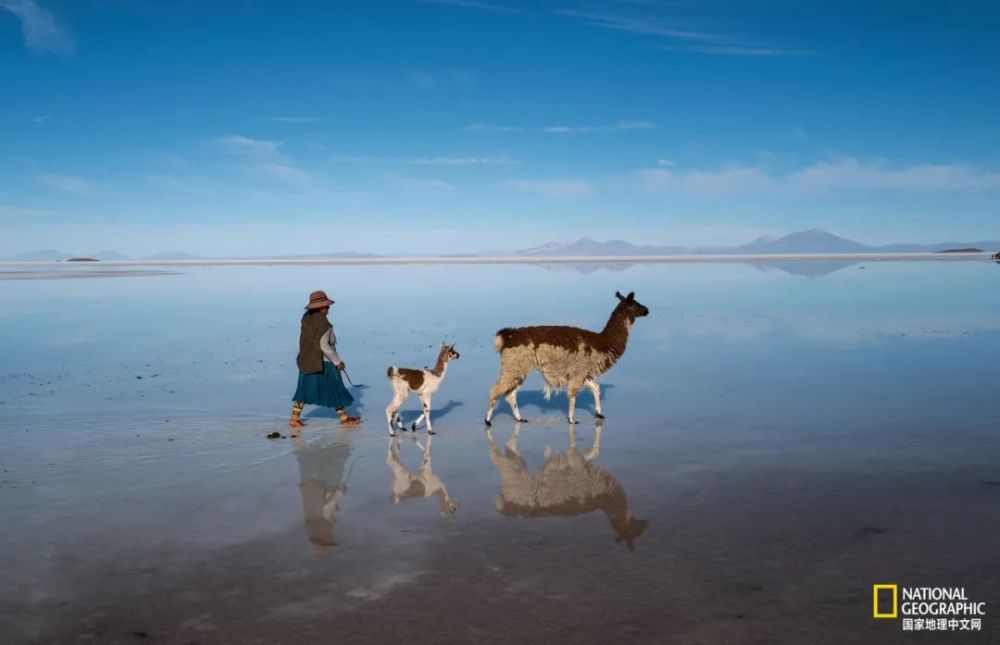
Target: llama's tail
x,y
392,372
500,341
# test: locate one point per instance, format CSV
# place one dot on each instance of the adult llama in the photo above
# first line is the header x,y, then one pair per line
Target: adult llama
x,y
568,358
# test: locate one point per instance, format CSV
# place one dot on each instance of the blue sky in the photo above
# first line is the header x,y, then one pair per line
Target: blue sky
x,y
464,125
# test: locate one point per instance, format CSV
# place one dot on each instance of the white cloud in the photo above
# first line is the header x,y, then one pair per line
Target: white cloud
x,y
264,158
67,183
42,118
702,42
42,34
258,148
552,187
285,173
413,183
846,174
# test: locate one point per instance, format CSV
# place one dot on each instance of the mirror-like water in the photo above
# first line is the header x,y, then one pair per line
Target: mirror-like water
x,y
774,445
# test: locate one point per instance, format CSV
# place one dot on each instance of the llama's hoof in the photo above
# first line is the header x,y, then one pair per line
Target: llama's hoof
x,y
413,428
429,431
487,422
573,421
598,415
521,420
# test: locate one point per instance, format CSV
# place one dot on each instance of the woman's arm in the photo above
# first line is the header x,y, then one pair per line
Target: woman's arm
x,y
328,345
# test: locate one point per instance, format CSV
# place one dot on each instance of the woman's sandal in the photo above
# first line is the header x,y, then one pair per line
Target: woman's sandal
x,y
350,421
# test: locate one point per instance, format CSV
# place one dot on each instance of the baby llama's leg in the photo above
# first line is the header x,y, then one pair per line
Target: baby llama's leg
x,y
391,412
425,401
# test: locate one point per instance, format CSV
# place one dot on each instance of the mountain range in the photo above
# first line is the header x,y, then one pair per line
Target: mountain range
x,y
812,241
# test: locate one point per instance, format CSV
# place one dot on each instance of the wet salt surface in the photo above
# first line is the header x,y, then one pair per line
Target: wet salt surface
x,y
789,440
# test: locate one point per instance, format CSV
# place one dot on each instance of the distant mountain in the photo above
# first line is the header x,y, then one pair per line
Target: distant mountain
x,y
587,246
812,241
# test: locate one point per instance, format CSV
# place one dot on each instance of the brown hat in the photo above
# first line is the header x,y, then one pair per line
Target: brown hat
x,y
318,300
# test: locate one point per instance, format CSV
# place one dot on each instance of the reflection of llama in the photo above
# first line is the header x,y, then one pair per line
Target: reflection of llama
x,y
420,484
423,382
568,358
567,484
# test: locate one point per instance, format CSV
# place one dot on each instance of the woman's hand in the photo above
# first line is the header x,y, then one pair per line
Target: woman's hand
x,y
341,366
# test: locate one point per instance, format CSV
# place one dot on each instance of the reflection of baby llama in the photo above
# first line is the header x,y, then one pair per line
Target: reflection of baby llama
x,y
567,484
422,382
568,358
420,484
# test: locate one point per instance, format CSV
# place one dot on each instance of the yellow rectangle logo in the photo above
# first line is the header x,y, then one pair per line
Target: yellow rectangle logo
x,y
895,601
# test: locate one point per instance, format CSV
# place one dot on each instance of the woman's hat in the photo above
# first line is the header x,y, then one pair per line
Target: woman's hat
x,y
318,300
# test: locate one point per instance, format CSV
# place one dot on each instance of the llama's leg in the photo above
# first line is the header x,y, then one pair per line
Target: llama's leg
x,y
595,448
515,363
572,391
426,402
511,399
511,444
507,384
595,389
392,411
419,420
491,403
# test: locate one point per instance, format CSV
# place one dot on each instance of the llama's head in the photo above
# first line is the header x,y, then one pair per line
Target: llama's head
x,y
630,306
448,352
448,507
629,529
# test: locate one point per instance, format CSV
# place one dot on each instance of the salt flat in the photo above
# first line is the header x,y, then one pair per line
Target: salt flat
x,y
789,440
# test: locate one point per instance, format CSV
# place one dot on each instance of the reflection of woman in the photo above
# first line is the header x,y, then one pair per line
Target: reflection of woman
x,y
322,484
319,365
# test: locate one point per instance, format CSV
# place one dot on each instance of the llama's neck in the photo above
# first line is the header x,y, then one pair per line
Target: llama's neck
x,y
617,330
442,365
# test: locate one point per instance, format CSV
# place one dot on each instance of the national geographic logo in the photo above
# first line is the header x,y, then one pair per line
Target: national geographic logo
x,y
886,597
928,608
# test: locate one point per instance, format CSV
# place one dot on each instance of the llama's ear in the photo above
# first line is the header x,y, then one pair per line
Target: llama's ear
x,y
619,295
630,296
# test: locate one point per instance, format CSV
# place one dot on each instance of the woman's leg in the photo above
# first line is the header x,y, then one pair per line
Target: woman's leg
x,y
296,420
347,420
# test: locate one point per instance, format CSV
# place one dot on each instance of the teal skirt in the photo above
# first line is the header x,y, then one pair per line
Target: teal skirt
x,y
326,388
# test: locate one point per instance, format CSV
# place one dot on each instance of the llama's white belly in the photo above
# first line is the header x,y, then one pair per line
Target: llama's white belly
x,y
559,366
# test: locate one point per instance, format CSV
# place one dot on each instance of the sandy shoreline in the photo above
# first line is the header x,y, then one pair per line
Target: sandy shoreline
x,y
591,259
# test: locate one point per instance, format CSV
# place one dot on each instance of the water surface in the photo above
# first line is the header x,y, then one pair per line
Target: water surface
x,y
774,445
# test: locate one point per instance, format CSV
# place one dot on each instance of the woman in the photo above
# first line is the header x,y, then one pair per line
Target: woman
x,y
319,365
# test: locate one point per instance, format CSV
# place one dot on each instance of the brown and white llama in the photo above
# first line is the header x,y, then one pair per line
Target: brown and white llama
x,y
568,358
422,483
424,383
566,485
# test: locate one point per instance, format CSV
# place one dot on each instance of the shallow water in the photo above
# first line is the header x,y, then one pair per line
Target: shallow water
x,y
774,445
